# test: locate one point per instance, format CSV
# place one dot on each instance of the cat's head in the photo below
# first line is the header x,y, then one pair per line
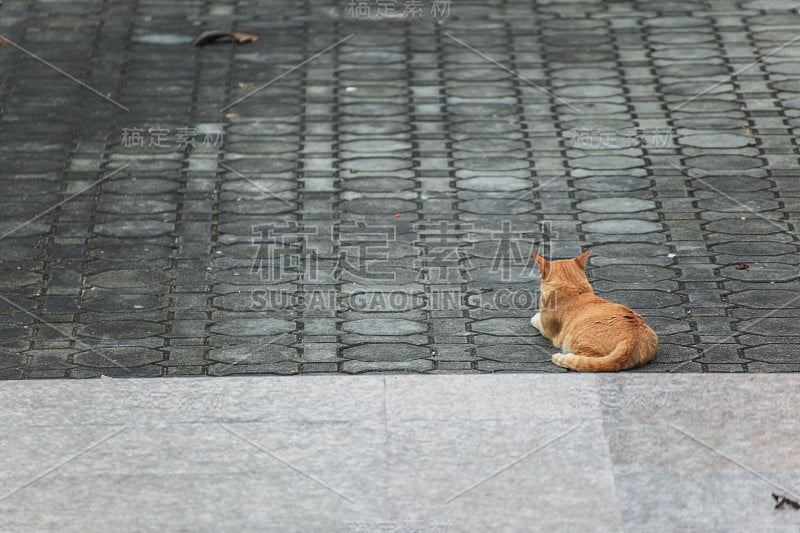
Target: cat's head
x,y
563,271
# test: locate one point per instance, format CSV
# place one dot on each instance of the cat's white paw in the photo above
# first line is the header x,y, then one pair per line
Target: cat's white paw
x,y
536,322
560,359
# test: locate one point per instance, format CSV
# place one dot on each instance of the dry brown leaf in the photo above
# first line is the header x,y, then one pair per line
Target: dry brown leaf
x,y
780,501
231,116
242,37
238,37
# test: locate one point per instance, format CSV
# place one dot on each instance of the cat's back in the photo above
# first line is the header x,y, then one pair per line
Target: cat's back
x,y
604,324
598,309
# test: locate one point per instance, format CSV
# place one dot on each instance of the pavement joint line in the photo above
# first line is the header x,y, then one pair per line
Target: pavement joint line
x,y
736,73
254,183
287,72
731,337
385,408
514,462
62,72
735,462
285,462
512,72
64,201
386,465
67,335
63,462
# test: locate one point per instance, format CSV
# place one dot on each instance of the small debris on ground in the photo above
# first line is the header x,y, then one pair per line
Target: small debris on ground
x,y
742,266
781,501
238,37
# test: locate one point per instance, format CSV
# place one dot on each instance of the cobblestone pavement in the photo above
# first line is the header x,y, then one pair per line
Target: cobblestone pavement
x,y
360,189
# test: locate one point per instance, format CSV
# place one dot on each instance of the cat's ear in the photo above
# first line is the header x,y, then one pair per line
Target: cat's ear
x,y
581,259
543,264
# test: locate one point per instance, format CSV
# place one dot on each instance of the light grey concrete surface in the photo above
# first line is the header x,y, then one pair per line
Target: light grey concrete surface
x,y
630,452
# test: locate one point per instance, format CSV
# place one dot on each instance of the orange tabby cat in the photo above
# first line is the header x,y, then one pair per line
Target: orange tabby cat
x,y
594,335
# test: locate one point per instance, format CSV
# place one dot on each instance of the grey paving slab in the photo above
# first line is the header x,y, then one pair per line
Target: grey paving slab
x,y
376,453
360,190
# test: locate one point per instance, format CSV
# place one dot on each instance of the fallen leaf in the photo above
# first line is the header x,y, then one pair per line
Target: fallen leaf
x,y
780,501
231,116
245,85
3,41
244,37
742,266
238,37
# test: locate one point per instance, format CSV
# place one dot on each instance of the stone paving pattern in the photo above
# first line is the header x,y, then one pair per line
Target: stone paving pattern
x,y
374,210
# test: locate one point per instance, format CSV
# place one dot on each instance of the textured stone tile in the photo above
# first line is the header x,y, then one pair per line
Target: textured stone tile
x,y
631,147
358,367
122,329
118,357
395,352
253,327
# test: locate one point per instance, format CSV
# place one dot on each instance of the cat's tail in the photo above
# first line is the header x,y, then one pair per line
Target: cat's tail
x,y
622,358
